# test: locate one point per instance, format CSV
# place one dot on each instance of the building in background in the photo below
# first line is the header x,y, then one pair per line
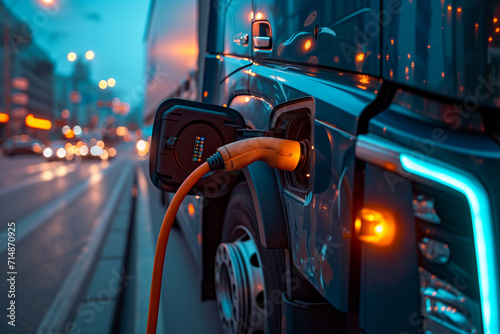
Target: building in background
x,y
83,95
27,79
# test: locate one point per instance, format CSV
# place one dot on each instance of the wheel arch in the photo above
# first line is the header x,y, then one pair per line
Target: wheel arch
x,y
273,231
266,198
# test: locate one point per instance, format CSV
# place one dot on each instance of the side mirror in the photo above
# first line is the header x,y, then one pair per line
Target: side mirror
x,y
185,134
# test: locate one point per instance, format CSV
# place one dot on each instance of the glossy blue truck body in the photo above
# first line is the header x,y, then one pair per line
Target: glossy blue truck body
x,y
396,91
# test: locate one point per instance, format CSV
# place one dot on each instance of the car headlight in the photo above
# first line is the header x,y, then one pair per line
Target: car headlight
x,y
61,153
84,150
96,151
142,147
47,152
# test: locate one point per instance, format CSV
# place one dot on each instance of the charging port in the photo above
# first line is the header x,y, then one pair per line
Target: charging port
x,y
295,120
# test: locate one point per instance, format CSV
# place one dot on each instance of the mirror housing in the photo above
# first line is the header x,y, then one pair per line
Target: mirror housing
x,y
185,134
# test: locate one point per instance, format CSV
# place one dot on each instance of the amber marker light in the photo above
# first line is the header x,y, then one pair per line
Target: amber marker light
x,y
191,210
375,226
307,45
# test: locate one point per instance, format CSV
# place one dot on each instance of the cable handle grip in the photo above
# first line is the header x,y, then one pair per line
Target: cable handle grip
x,y
277,153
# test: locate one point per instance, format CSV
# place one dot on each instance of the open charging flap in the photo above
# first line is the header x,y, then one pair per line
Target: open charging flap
x,y
185,134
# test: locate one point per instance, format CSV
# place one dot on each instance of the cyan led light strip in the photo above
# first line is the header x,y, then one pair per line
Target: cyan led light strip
x,y
482,222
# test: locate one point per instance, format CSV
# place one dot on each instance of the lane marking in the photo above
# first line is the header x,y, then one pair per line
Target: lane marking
x,y
45,176
64,304
30,169
37,218
145,246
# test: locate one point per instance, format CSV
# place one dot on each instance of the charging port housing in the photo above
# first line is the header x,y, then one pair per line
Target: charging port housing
x,y
185,134
294,118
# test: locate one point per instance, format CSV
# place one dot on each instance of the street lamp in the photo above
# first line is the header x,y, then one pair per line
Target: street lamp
x,y
71,56
89,55
47,3
103,84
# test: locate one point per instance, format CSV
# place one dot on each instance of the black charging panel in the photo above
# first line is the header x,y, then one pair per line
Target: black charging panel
x,y
185,134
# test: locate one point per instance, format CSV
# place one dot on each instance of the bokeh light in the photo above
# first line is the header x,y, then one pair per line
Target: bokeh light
x,y
47,152
77,130
121,131
142,147
71,56
112,152
103,84
89,55
84,150
66,129
61,153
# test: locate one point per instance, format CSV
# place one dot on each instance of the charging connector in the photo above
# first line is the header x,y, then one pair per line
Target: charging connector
x,y
277,153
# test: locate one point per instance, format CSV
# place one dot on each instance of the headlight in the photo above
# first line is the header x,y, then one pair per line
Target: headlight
x,y
61,153
96,151
104,155
47,152
112,152
142,147
84,150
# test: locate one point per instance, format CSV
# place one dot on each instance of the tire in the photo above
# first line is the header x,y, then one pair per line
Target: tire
x,y
249,278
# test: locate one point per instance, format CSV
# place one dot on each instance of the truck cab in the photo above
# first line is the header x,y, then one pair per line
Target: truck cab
x,y
393,227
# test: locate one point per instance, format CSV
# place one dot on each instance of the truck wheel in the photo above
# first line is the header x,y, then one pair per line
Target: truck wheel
x,y
249,278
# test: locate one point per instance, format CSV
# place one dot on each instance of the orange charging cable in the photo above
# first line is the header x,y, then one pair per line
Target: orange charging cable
x,y
161,246
277,153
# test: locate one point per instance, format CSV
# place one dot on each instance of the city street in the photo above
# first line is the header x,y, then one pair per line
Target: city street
x,y
73,246
55,206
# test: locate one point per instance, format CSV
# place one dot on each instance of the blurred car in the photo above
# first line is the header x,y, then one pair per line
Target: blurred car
x,y
95,149
22,144
59,150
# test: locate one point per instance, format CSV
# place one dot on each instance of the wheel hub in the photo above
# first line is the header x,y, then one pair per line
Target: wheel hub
x,y
239,284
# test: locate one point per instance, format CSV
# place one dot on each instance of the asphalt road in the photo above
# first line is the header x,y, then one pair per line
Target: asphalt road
x,y
55,207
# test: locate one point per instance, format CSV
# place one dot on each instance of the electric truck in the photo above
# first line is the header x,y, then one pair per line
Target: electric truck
x,y
392,226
